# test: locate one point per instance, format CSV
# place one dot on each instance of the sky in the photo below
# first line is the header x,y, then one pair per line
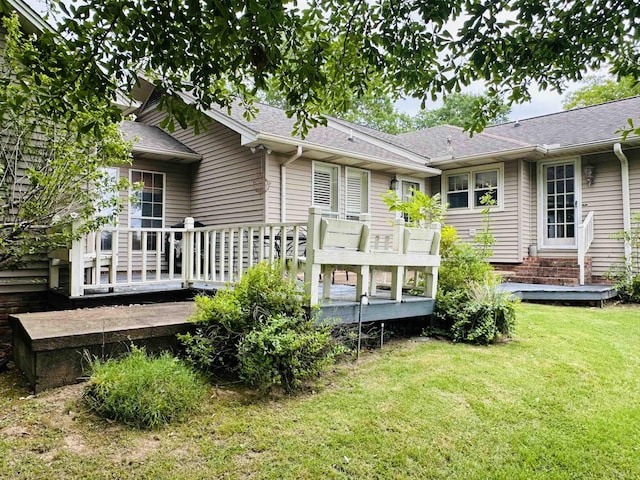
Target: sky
x,y
542,102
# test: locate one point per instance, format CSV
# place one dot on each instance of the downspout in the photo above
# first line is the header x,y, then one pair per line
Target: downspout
x,y
626,202
283,183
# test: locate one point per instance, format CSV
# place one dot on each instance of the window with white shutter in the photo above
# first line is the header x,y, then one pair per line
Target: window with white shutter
x,y
357,192
325,187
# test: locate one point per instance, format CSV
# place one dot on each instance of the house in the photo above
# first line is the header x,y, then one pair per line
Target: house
x,y
563,183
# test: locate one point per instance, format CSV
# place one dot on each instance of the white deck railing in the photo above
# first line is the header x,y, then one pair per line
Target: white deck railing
x,y
115,257
585,238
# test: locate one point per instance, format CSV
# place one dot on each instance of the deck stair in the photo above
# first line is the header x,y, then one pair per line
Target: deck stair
x,y
550,271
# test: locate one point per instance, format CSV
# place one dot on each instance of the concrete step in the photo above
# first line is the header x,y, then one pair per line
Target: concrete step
x,y
562,281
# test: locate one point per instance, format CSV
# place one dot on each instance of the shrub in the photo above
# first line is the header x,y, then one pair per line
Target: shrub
x,y
469,306
488,315
143,391
626,276
284,351
260,332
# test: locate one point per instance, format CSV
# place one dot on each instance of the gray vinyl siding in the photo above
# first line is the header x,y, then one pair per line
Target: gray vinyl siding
x,y
30,278
525,182
505,223
381,217
272,195
298,190
222,184
604,199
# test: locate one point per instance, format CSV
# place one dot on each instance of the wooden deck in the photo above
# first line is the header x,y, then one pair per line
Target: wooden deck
x,y
558,293
49,346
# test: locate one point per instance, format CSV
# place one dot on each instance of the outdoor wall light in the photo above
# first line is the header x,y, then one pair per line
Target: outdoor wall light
x,y
393,184
589,173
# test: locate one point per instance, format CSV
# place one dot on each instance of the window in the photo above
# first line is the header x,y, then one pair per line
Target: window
x,y
106,238
458,191
357,192
148,209
325,187
464,189
485,182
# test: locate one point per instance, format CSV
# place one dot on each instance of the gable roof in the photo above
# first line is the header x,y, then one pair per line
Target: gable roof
x,y
153,142
30,20
272,127
579,126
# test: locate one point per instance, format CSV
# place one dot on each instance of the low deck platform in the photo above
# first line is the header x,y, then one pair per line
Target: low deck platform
x,y
50,346
558,293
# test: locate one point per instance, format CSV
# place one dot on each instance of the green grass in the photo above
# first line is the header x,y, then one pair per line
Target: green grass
x,y
559,401
143,391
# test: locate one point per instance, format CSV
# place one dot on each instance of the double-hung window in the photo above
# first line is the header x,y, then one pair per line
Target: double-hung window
x,y
148,209
357,192
107,208
465,189
326,178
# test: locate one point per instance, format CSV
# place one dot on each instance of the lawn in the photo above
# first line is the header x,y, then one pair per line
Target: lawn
x,y
562,400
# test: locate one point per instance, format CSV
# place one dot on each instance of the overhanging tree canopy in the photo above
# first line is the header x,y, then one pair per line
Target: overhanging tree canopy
x,y
323,53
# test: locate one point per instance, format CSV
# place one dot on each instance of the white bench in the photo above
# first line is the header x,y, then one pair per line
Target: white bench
x,y
335,244
345,244
414,249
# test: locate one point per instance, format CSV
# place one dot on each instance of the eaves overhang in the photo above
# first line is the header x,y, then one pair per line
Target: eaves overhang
x,y
591,147
30,20
161,154
390,165
528,152
403,152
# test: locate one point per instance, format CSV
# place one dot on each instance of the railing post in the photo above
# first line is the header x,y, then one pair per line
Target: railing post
x,y
187,252
398,272
312,271
431,277
76,265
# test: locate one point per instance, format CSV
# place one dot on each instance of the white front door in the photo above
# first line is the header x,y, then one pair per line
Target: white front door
x,y
558,208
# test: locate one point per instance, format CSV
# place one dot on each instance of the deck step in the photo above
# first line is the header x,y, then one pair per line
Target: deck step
x,y
563,271
562,281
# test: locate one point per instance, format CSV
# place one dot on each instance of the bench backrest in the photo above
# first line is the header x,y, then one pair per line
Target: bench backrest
x,y
422,240
344,234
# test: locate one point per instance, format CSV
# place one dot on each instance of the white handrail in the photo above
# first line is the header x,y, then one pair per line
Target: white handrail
x,y
585,238
212,255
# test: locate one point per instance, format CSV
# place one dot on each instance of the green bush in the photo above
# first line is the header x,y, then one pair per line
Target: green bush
x,y
469,307
626,275
284,351
143,391
260,332
488,315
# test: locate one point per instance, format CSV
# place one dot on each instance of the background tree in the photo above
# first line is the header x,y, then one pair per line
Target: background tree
x,y
374,109
51,171
458,109
324,53
601,89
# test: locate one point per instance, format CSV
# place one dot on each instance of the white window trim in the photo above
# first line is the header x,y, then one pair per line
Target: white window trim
x,y
499,207
346,188
541,213
164,193
338,183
